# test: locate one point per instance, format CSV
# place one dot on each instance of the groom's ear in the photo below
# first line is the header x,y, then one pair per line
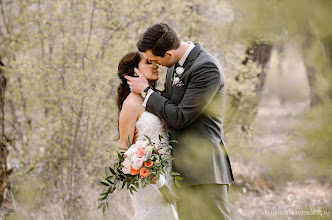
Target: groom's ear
x,y
169,53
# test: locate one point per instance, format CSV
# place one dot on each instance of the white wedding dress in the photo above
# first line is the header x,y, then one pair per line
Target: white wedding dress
x,y
148,203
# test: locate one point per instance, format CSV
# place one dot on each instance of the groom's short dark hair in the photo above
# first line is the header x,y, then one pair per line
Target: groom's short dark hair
x,y
158,38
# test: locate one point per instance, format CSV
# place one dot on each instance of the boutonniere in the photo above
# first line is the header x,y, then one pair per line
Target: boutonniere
x,y
177,76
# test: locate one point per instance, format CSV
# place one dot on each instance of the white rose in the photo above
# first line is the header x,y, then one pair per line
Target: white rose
x,y
133,158
131,151
176,80
149,148
144,158
126,170
141,144
179,70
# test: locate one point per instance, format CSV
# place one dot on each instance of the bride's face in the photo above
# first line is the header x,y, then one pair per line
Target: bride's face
x,y
149,70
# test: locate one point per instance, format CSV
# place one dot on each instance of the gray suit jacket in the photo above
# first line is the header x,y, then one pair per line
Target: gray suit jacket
x,y
193,113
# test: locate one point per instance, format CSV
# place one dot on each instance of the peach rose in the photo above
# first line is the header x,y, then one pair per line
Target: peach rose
x,y
133,171
148,164
140,152
143,172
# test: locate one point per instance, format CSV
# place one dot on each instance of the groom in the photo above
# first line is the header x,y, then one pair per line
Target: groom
x,y
190,105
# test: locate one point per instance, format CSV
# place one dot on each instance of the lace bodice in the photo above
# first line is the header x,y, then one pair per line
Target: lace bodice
x,y
150,125
148,203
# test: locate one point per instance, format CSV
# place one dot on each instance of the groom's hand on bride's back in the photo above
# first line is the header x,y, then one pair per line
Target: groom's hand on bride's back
x,y
137,84
135,136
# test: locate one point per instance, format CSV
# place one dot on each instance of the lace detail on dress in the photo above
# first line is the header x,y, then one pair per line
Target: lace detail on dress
x,y
150,125
148,203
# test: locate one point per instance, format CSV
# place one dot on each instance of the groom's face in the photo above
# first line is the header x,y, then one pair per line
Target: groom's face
x,y
168,60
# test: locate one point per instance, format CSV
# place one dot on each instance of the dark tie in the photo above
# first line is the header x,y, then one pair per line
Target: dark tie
x,y
176,66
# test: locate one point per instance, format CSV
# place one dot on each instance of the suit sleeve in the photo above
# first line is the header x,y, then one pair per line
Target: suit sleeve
x,y
205,82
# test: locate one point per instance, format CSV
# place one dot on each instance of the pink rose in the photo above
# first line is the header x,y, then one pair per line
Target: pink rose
x,y
126,163
138,163
126,170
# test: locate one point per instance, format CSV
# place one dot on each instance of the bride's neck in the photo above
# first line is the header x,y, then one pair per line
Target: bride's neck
x,y
151,83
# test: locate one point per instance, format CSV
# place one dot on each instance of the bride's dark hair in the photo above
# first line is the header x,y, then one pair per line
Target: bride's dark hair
x,y
126,66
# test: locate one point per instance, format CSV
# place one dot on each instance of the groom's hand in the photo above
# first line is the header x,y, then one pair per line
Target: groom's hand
x,y
135,136
137,84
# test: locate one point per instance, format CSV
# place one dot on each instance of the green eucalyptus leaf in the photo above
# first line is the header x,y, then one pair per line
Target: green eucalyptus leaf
x,y
112,171
101,204
105,184
178,178
176,183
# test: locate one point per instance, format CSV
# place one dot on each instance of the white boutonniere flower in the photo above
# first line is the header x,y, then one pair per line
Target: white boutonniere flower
x,y
177,76
179,70
176,80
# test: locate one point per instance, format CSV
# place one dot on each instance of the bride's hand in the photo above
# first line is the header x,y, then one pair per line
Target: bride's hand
x,y
154,180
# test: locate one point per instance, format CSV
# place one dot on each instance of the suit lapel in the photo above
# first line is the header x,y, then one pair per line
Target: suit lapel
x,y
187,64
192,56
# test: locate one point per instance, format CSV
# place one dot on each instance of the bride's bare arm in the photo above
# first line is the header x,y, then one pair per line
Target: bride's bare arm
x,y
127,121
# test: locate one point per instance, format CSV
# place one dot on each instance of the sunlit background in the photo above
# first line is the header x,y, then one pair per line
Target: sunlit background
x,y
59,118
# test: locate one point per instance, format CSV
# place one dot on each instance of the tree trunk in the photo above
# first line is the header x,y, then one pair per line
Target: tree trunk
x,y
259,53
3,140
311,73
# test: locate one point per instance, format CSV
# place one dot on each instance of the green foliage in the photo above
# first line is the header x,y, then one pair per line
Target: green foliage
x,y
61,60
118,179
306,23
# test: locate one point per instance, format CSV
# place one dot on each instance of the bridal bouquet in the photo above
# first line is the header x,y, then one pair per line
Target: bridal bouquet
x,y
138,166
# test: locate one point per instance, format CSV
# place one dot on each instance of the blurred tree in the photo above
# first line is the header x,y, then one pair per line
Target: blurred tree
x,y
307,24
259,53
3,140
61,65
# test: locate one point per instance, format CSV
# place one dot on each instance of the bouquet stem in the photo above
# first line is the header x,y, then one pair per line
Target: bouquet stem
x,y
168,195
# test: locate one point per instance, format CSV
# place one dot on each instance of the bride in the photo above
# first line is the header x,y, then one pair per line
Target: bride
x,y
148,203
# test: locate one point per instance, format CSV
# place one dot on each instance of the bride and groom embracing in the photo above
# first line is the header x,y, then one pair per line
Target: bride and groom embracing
x,y
187,107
